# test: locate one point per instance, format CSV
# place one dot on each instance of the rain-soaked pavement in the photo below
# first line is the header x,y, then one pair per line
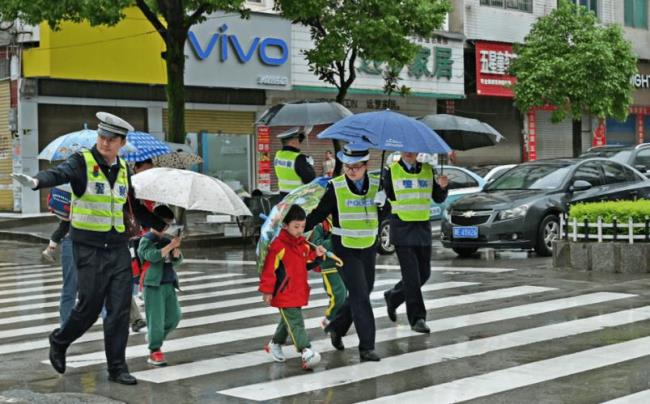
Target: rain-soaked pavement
x,y
506,328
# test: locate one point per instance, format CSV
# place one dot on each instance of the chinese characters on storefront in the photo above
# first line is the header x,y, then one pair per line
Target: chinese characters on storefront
x,y
423,66
264,158
492,63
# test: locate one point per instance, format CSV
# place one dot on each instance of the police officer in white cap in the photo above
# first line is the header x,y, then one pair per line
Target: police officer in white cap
x,y
292,168
101,188
349,198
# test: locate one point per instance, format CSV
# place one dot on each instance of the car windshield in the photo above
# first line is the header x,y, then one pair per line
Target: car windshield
x,y
533,176
622,156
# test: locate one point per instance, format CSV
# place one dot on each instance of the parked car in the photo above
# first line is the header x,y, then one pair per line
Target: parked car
x,y
636,156
521,208
496,172
461,182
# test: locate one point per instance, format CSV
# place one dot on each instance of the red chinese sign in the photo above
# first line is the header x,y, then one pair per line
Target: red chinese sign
x,y
531,154
599,135
492,64
264,159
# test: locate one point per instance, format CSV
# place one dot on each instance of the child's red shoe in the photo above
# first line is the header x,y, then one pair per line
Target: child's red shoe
x,y
157,358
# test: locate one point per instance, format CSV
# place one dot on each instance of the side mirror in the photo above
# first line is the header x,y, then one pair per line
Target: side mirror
x,y
580,185
641,167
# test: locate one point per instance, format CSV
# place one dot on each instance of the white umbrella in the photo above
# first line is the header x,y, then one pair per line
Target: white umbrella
x,y
189,190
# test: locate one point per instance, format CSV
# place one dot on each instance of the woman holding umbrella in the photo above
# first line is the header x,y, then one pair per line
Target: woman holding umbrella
x,y
349,199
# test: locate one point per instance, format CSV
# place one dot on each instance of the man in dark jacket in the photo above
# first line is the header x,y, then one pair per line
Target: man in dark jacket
x,y
409,186
102,189
292,168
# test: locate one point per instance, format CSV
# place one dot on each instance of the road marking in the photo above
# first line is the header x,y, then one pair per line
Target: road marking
x,y
11,269
222,262
7,264
520,376
463,389
640,397
314,322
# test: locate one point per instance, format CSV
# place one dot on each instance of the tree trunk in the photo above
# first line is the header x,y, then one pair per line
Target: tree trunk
x,y
175,89
577,137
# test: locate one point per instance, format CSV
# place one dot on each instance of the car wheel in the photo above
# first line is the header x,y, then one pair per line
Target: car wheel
x,y
465,252
385,246
549,230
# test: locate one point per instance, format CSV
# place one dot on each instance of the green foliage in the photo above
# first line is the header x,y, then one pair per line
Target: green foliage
x,y
570,61
53,12
376,30
622,211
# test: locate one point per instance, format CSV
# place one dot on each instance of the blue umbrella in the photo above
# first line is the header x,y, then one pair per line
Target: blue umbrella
x,y
66,145
147,147
387,130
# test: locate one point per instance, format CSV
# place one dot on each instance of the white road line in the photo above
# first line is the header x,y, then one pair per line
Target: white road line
x,y
22,268
254,332
57,275
7,264
636,398
458,390
434,269
532,373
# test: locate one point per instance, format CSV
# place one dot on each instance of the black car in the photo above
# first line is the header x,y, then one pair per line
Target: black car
x,y
521,208
636,156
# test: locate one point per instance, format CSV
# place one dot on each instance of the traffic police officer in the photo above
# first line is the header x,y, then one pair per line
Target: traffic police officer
x,y
409,187
292,168
101,187
349,198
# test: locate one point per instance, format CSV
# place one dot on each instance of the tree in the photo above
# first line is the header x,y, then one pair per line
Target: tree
x,y
571,62
375,30
172,20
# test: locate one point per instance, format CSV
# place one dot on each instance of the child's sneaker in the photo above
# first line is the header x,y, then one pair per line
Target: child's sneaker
x,y
275,350
157,358
310,358
48,254
138,324
324,322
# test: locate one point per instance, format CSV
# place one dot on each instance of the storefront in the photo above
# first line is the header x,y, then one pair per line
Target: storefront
x,y
436,74
634,129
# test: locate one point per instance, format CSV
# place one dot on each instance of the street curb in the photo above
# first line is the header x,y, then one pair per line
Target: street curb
x,y
20,236
10,223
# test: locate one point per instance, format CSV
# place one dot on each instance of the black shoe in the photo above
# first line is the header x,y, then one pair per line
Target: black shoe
x,y
123,378
337,341
392,315
369,356
138,325
57,355
421,326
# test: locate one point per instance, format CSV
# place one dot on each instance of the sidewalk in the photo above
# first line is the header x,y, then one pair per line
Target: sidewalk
x,y
37,228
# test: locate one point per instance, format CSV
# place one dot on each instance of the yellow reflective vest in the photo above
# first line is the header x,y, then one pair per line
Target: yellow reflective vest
x,y
100,208
357,214
285,169
412,193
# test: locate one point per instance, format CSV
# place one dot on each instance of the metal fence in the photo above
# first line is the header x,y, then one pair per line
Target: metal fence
x,y
630,231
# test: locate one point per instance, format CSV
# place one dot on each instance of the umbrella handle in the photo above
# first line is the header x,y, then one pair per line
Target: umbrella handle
x,y
330,255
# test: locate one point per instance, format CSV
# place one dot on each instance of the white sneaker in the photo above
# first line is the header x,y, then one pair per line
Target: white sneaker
x,y
275,350
310,358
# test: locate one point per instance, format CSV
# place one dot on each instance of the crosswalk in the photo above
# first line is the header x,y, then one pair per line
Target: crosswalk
x,y
475,315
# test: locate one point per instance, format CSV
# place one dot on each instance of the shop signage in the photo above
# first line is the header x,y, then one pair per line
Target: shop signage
x,y
228,51
641,80
264,158
599,135
492,64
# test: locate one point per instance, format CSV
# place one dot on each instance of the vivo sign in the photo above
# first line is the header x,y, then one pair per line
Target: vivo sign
x,y
270,51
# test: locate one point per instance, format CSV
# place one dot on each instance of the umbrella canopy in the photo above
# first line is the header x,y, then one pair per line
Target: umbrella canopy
x,y
303,113
386,130
307,196
189,190
147,147
66,145
462,133
177,159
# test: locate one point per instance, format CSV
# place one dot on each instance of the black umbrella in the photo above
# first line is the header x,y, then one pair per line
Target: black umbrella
x,y
303,113
462,133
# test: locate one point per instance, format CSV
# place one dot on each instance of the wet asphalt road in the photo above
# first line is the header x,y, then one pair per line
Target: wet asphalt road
x,y
507,328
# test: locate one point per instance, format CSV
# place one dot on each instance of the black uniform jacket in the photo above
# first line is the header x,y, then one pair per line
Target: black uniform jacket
x,y
410,233
73,170
328,206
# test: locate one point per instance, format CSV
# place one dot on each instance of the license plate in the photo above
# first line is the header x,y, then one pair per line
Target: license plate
x,y
466,232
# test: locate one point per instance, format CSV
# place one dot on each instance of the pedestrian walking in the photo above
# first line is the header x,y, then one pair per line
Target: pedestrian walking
x,y
332,282
349,198
101,188
283,283
409,187
160,255
292,168
328,164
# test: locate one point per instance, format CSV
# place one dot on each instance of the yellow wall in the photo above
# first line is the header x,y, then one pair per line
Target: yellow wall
x,y
128,52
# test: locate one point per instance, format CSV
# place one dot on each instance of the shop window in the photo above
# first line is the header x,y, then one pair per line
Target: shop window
x,y
521,5
636,13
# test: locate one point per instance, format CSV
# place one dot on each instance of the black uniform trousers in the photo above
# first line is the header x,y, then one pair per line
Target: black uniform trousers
x,y
104,276
358,274
415,264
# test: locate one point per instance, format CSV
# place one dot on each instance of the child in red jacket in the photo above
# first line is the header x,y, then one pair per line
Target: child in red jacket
x,y
283,283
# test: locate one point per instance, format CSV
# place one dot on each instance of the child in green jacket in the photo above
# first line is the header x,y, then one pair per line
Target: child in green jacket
x,y
160,282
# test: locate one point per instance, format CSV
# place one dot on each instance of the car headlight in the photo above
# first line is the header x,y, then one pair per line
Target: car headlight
x,y
513,213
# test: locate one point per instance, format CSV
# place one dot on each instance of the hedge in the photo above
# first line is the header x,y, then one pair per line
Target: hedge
x,y
621,210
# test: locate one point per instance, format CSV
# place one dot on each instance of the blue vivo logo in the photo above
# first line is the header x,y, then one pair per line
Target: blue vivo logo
x,y
261,46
